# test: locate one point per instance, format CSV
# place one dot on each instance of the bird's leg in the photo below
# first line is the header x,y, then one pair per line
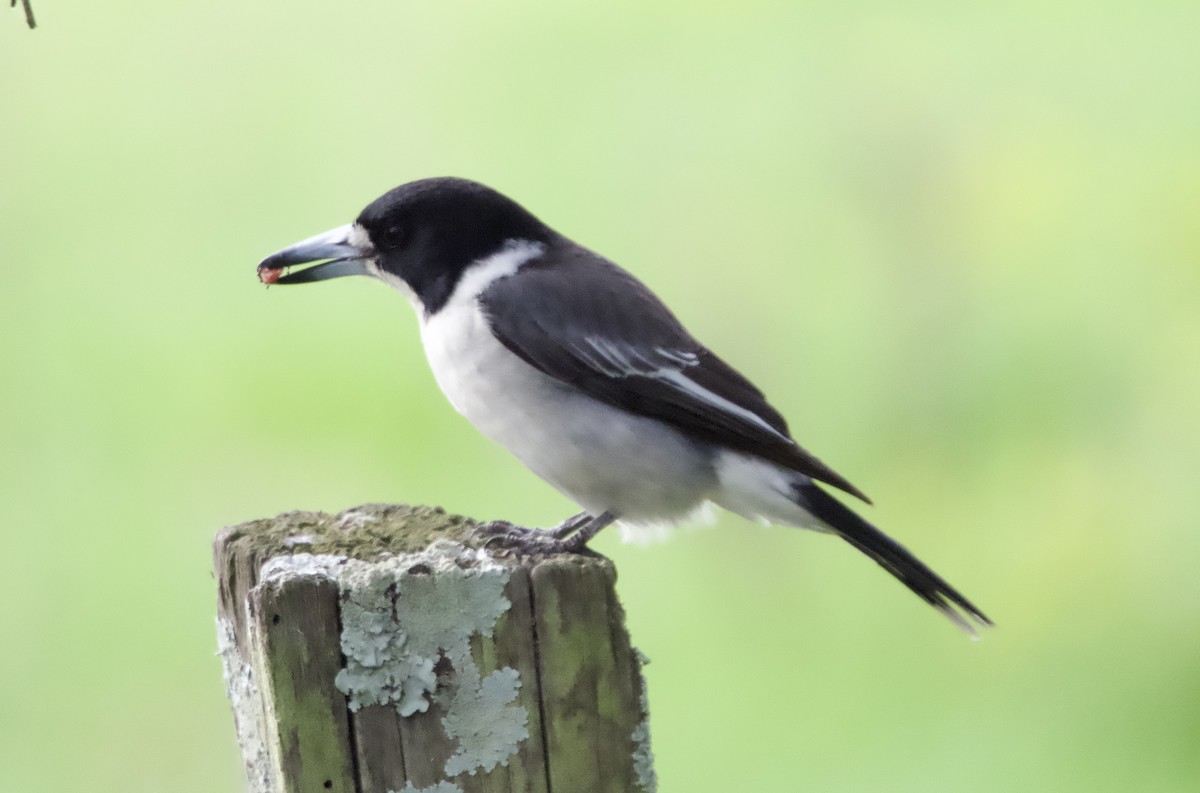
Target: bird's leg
x,y
578,541
570,526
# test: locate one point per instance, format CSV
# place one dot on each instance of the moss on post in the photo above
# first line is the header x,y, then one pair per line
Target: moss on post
x,y
386,649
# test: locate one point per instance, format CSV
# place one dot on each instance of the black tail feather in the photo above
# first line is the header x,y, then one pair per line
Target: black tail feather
x,y
891,556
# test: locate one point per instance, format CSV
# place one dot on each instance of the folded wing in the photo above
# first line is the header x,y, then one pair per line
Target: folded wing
x,y
573,318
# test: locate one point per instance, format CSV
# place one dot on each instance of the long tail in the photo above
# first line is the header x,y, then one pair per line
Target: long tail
x,y
891,556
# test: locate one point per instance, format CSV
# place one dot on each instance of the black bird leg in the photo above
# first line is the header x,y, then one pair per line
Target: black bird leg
x,y
578,540
570,525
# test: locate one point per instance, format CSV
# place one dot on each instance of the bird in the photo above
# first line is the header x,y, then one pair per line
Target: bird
x,y
586,377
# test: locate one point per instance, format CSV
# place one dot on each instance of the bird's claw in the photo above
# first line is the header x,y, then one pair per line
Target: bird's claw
x,y
519,541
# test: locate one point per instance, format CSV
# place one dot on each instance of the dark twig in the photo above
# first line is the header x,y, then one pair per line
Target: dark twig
x,y
28,12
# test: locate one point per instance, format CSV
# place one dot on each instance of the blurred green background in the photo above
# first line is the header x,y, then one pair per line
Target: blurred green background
x,y
976,226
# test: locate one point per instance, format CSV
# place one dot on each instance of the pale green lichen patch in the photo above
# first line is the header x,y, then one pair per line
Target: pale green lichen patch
x,y
454,594
246,701
400,614
279,569
643,757
381,667
407,616
440,787
480,714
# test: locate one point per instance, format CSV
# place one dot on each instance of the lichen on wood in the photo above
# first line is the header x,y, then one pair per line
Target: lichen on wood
x,y
387,649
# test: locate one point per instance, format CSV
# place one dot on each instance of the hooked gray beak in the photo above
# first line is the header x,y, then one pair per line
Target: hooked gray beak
x,y
348,259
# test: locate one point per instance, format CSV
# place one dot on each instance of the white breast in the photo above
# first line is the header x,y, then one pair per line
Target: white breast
x,y
599,456
474,370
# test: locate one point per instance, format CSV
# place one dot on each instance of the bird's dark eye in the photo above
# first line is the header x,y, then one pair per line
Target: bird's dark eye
x,y
392,236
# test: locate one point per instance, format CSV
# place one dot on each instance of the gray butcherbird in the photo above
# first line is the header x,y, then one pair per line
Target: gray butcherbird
x,y
581,372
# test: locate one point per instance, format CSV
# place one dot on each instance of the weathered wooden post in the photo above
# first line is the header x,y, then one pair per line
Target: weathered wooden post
x,y
388,649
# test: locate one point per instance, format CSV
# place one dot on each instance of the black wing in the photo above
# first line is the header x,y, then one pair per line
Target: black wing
x,y
582,320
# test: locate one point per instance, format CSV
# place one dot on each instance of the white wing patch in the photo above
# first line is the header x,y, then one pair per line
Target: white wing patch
x,y
688,386
619,360
678,356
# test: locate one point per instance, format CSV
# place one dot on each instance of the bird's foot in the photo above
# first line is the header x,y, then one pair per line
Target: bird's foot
x,y
519,541
571,536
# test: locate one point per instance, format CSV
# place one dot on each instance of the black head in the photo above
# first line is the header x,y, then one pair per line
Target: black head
x,y
424,233
428,232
